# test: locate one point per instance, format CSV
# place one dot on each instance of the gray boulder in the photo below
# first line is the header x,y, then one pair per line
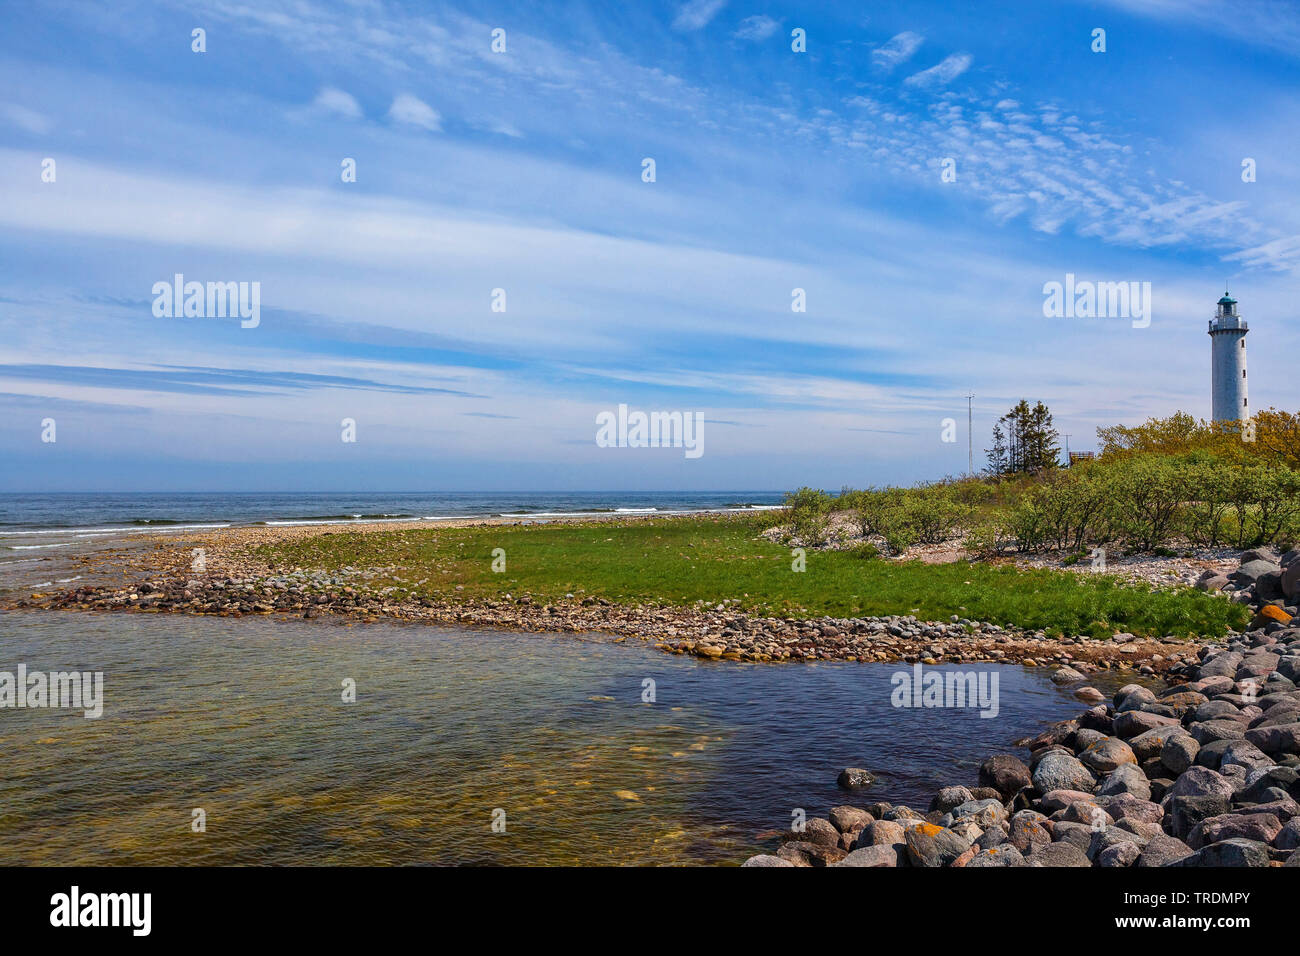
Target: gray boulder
x,y
1200,782
1284,739
1106,755
929,845
1234,852
1063,853
1260,827
1163,850
1004,773
1251,571
1060,771
1179,752
885,856
855,778
850,819
1004,855
1127,778
1125,853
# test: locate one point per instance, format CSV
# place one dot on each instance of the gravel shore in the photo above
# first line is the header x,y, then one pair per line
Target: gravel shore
x,y
159,576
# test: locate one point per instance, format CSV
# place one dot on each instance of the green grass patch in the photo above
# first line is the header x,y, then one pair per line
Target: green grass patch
x,y
680,561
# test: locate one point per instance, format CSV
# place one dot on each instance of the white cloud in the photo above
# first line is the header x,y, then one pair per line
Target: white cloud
x,y
696,14
331,100
22,117
413,111
942,73
756,28
1267,23
1280,254
897,50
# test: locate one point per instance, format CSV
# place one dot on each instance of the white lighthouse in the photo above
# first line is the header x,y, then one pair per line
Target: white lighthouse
x,y
1228,368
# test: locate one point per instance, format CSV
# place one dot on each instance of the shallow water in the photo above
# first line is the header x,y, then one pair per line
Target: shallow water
x,y
244,719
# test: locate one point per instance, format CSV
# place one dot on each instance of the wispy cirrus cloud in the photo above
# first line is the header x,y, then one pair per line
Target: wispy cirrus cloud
x,y
697,14
413,111
338,103
898,49
1273,24
942,73
820,172
756,28
25,119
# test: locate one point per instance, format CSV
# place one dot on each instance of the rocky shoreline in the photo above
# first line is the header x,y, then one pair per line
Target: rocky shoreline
x,y
233,586
1205,772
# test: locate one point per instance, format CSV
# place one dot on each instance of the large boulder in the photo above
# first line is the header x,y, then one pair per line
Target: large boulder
x,y
1124,853
949,797
1004,773
885,856
855,778
1220,665
1107,754
1283,739
815,830
1060,771
1162,850
1260,827
1291,581
766,859
1288,837
1243,753
1004,855
1054,800
850,819
1183,813
1200,782
1149,743
983,813
1066,675
1179,752
882,833
1028,827
1128,806
1235,852
1252,570
810,854
1133,722
929,845
1127,778
1212,730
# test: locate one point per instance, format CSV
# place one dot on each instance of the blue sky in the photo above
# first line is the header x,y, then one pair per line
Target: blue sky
x,y
521,170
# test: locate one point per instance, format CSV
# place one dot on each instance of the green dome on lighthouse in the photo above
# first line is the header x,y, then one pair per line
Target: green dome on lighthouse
x,y
1227,299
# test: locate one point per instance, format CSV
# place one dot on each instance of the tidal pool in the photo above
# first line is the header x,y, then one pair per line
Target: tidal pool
x,y
244,719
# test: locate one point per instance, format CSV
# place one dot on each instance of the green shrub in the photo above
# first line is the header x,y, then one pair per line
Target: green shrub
x,y
877,509
933,513
1145,498
808,511
1026,526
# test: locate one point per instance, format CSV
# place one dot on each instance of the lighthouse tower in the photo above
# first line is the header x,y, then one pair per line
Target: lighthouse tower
x,y
1228,368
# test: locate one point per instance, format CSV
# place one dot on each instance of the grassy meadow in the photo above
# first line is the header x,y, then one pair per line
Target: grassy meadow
x,y
716,559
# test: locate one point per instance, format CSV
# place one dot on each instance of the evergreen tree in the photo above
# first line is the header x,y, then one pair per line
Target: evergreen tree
x,y
998,464
1024,441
